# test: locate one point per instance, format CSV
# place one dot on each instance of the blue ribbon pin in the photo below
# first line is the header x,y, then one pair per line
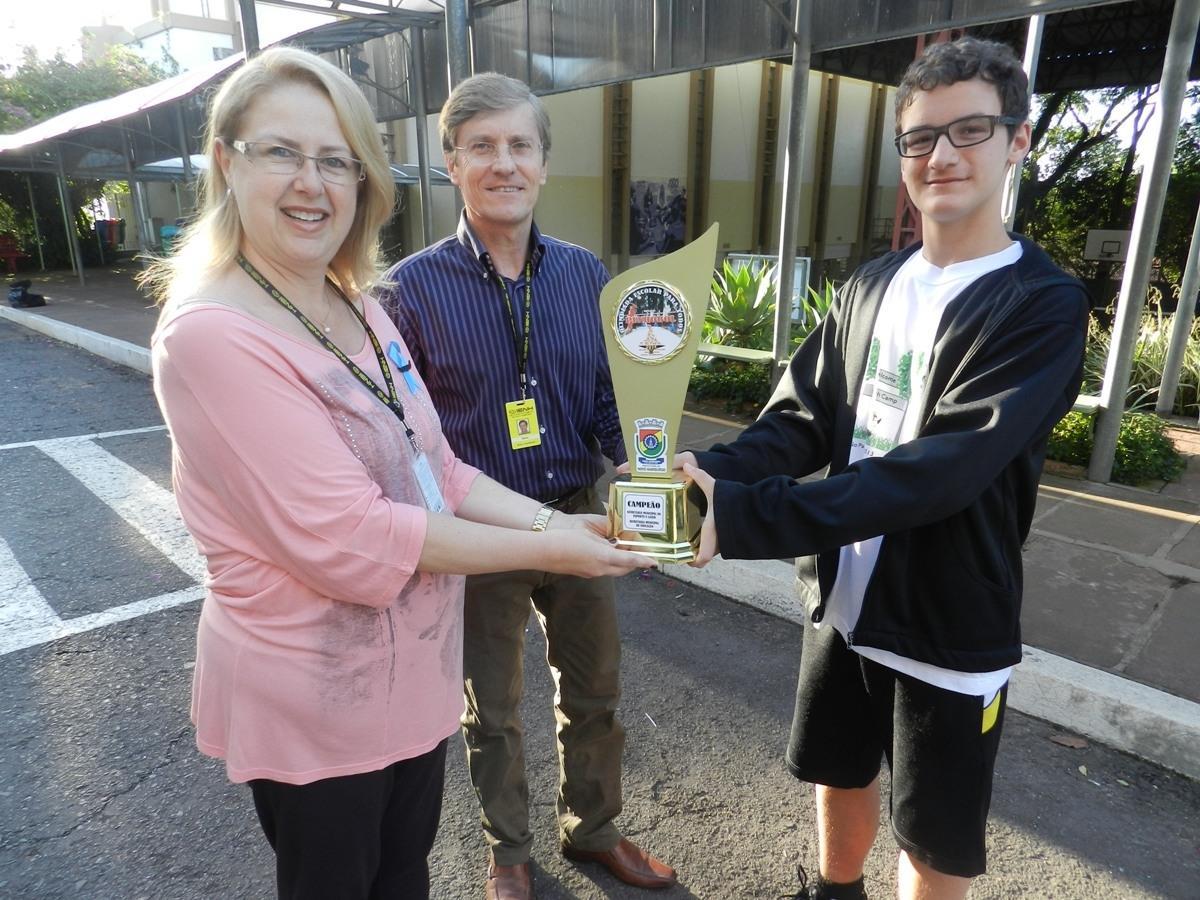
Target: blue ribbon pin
x,y
403,366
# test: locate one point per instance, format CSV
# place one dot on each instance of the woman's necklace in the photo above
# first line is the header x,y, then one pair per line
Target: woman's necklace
x,y
328,312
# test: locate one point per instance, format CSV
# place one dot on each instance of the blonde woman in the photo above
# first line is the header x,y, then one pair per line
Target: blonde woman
x,y
311,470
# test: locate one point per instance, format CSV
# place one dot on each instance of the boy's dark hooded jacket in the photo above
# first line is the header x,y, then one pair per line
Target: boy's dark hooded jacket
x,y
955,504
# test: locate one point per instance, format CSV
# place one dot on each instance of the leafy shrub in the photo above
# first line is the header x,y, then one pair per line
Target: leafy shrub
x,y
1144,449
1071,440
739,384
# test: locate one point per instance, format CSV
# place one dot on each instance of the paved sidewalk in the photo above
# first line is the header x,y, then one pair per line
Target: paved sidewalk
x,y
1112,574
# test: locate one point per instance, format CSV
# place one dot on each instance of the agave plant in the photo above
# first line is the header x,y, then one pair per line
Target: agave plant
x,y
741,311
812,311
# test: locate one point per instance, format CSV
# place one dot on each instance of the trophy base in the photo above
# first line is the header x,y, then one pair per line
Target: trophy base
x,y
654,518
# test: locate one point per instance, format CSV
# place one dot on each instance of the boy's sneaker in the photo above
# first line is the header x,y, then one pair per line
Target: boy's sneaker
x,y
821,889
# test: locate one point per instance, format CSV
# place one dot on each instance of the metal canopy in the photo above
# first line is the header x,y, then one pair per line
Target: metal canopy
x,y
1110,45
559,45
563,45
151,123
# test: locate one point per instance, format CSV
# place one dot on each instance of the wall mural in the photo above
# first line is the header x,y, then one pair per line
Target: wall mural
x,y
656,216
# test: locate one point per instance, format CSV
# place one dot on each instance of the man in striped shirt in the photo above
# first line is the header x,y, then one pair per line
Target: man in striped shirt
x,y
504,326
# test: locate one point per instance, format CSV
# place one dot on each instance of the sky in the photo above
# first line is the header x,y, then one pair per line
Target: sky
x,y
51,25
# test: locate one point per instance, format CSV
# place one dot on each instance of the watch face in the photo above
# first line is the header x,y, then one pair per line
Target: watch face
x,y
651,322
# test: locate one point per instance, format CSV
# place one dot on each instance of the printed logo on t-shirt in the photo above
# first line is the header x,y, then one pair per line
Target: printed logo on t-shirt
x,y
883,402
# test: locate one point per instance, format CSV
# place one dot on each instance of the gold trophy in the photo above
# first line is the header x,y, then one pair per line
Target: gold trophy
x,y
652,316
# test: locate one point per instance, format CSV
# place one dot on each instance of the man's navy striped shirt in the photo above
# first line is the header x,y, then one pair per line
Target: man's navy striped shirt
x,y
452,313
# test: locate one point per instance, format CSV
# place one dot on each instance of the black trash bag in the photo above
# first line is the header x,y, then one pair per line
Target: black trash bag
x,y
21,297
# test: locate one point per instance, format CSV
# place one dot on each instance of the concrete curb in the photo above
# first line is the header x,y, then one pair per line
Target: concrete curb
x,y
113,349
1115,711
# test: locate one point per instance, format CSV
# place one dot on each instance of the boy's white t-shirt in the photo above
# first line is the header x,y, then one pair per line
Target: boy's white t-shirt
x,y
888,412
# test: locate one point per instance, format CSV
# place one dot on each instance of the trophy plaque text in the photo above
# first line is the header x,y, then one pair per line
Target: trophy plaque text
x,y
652,316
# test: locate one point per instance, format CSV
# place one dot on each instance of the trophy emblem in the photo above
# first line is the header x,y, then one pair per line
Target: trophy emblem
x,y
652,322
651,315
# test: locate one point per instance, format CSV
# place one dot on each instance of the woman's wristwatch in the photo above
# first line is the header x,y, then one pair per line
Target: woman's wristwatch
x,y
542,519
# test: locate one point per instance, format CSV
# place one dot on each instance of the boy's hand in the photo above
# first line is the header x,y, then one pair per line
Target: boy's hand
x,y
708,531
686,458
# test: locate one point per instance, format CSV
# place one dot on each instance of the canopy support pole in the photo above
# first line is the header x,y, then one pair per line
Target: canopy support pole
x,y
1151,195
792,173
69,220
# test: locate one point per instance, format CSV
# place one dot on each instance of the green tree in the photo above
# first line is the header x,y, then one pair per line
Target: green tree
x,y
1082,175
39,89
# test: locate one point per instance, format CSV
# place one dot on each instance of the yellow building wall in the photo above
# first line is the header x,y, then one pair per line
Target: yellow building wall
x,y
571,208
572,200
734,154
571,204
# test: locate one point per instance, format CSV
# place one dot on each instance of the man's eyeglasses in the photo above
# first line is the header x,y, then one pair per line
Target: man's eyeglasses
x,y
487,152
286,161
965,132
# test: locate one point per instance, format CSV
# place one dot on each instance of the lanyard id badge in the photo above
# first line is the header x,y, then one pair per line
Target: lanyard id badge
x,y
434,501
521,415
522,420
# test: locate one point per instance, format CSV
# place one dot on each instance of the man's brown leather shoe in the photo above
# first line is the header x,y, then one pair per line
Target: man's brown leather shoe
x,y
509,882
629,862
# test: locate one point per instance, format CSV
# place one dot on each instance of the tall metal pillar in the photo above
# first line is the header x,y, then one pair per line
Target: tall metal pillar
x,y
792,172
822,185
249,28
1033,49
1181,326
458,41
37,231
1151,194
185,153
64,198
137,194
420,119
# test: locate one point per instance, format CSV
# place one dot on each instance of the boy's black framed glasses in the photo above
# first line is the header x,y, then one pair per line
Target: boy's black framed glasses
x,y
965,132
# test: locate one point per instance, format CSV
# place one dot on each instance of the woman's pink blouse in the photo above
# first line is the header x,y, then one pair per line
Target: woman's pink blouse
x,y
321,650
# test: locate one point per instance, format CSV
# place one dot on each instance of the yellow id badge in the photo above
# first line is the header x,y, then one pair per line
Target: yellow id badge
x,y
522,423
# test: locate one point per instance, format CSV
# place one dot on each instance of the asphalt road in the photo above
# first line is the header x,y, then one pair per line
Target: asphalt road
x,y
103,794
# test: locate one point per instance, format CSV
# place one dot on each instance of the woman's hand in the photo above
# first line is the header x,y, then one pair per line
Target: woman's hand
x,y
581,551
708,531
590,522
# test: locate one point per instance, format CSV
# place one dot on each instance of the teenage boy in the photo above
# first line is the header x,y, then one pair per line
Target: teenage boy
x,y
928,391
504,324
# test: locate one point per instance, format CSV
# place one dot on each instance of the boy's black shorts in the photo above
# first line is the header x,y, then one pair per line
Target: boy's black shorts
x,y
940,746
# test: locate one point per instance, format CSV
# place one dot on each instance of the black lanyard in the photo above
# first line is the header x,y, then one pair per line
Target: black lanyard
x,y
520,341
390,398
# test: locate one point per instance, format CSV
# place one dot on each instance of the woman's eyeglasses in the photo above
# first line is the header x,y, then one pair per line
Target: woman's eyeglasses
x,y
286,161
486,152
965,132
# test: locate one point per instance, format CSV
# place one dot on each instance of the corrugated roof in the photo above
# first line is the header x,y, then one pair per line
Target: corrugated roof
x,y
114,109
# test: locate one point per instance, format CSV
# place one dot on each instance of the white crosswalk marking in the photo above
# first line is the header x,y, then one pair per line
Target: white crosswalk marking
x,y
134,497
26,619
22,606
20,638
76,438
